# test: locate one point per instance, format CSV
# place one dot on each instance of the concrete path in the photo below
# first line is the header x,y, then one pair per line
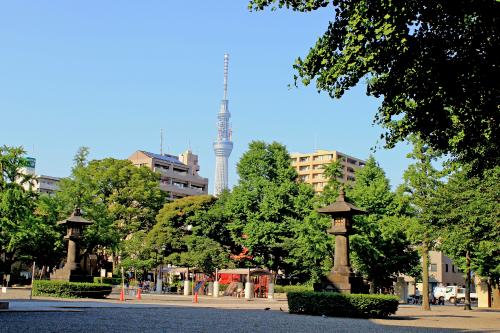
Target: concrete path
x,y
408,316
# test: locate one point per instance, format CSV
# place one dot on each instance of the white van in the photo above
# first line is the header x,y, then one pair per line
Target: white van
x,y
452,294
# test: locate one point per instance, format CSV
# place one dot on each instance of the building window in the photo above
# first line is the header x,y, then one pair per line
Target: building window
x,y
304,168
453,268
304,159
446,268
434,268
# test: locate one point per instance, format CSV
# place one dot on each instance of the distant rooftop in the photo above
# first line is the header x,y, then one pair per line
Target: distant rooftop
x,y
164,157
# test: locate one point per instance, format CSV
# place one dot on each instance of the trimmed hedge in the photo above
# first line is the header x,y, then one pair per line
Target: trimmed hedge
x,y
291,288
342,305
70,289
114,281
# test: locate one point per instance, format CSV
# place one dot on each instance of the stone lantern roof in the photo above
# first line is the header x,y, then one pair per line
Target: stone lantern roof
x,y
341,206
75,219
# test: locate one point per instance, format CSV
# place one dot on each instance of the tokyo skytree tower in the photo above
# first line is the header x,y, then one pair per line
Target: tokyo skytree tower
x,y
223,145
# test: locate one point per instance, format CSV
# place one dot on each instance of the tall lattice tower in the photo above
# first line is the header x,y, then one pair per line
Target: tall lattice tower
x,y
223,145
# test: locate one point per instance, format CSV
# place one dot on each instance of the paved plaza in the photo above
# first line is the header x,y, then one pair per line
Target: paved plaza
x,y
167,313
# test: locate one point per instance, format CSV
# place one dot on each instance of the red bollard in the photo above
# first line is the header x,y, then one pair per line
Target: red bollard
x,y
122,295
139,297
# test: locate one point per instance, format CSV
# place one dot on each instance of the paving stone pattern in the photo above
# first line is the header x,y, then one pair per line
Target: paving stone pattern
x,y
185,319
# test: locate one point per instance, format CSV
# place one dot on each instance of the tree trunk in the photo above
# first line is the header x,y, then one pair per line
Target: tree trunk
x,y
425,278
495,292
467,281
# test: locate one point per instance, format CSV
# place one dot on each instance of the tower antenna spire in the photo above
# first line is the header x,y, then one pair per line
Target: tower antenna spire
x,y
226,69
161,141
224,144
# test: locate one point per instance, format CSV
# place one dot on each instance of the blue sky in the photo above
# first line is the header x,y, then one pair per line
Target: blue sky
x,y
110,74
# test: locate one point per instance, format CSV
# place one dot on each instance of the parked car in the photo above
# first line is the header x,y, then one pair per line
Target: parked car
x,y
452,294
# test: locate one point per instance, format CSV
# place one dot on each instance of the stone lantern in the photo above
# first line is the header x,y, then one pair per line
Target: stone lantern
x,y
341,277
74,232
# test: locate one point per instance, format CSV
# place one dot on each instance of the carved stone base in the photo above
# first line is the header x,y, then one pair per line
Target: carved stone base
x,y
72,275
342,283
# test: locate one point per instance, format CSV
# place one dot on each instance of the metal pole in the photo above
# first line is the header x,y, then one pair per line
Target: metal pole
x,y
32,279
192,287
123,282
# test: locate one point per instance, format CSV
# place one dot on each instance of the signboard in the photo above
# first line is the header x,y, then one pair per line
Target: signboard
x,y
103,272
30,162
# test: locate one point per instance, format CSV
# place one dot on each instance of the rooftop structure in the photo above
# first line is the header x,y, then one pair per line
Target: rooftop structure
x,y
310,167
41,183
223,145
179,175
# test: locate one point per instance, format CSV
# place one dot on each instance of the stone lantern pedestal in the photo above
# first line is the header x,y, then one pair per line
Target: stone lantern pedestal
x,y
72,270
341,278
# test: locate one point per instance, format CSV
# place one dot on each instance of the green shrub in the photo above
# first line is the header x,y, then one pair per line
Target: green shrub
x,y
114,281
287,289
70,289
342,305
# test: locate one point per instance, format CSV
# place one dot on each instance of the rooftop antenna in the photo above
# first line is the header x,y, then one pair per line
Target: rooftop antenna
x,y
161,141
226,66
189,144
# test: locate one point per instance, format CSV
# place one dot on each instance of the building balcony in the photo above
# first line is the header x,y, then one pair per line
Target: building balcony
x,y
181,176
184,191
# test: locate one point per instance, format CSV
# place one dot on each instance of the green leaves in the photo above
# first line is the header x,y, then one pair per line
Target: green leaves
x,y
440,56
119,197
468,214
381,250
267,205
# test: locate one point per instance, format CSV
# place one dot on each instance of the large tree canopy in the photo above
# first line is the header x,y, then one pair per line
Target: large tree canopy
x,y
434,63
187,233
117,196
27,222
380,249
267,204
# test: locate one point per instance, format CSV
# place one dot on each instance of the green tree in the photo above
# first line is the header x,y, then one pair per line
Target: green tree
x,y
381,250
469,214
17,204
174,221
43,240
267,204
435,65
117,196
332,172
188,232
421,181
311,249
204,253
135,256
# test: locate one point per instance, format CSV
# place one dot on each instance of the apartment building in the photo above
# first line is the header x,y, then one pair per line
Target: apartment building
x,y
179,175
310,167
41,183
46,184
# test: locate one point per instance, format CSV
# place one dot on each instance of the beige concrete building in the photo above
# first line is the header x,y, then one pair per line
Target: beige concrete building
x,y
46,184
40,183
310,167
442,272
179,175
